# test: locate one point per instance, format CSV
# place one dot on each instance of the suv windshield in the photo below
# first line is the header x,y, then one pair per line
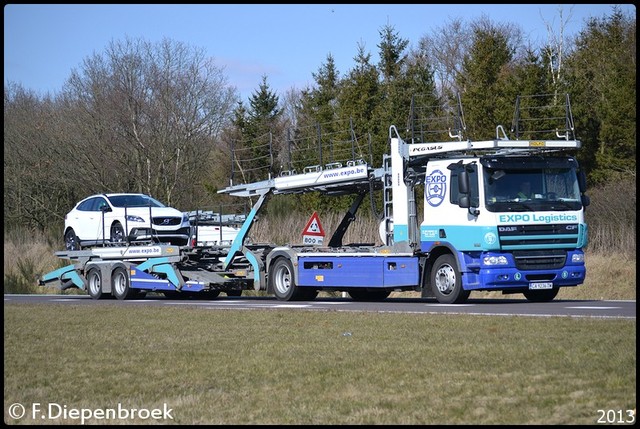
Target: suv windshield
x,y
134,201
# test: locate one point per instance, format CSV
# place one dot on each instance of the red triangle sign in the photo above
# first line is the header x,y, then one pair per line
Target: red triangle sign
x,y
314,227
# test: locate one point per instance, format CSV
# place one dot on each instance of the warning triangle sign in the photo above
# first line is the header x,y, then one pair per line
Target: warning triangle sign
x,y
314,227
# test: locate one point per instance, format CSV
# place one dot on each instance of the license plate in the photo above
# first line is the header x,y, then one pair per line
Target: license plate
x,y
545,285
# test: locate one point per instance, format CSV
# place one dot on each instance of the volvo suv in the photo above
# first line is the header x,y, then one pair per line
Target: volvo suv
x,y
123,219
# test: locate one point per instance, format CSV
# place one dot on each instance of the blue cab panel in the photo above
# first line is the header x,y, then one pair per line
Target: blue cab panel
x,y
358,271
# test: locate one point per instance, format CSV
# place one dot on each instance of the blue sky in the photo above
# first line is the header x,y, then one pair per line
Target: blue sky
x,y
44,42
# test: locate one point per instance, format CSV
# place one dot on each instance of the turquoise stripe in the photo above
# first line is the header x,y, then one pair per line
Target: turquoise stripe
x,y
463,238
540,246
538,237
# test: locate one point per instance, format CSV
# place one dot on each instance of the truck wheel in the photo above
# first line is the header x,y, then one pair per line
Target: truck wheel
x,y
446,281
283,282
541,295
94,283
234,292
120,285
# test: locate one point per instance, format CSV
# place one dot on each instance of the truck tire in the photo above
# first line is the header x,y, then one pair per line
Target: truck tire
x,y
120,284
234,292
541,295
446,281
94,283
283,282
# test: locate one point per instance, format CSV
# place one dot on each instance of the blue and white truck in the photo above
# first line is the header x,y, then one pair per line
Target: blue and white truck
x,y
497,215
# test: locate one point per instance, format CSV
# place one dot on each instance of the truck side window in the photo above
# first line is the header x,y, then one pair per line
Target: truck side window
x,y
454,194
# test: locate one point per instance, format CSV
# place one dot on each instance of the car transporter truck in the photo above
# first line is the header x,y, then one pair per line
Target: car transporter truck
x,y
475,231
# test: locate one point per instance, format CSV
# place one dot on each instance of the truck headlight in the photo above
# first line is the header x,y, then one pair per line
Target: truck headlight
x,y
577,257
494,260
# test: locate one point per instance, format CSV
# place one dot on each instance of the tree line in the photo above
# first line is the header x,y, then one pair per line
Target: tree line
x,y
163,119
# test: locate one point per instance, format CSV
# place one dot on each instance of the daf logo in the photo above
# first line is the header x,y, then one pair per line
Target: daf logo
x,y
507,228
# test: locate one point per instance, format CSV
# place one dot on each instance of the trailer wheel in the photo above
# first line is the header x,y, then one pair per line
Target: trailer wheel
x,y
282,281
94,283
541,295
446,281
120,284
234,292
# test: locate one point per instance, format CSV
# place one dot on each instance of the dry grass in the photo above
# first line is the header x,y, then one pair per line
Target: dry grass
x,y
304,367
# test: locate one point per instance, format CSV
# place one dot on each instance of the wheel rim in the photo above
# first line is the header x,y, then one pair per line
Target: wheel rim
x,y
445,279
70,242
283,280
120,284
95,284
117,233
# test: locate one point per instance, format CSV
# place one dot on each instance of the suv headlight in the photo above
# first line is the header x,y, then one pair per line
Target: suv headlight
x,y
133,218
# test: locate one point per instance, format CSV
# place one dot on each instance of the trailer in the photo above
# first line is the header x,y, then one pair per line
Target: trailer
x,y
476,233
127,272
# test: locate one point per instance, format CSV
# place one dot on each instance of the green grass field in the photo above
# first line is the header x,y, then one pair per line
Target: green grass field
x,y
301,367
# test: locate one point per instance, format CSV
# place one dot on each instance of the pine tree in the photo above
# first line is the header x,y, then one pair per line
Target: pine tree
x,y
480,79
602,75
262,122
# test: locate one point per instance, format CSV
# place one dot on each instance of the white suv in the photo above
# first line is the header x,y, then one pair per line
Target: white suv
x,y
121,219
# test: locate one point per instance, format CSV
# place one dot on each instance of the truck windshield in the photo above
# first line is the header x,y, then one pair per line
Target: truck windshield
x,y
542,189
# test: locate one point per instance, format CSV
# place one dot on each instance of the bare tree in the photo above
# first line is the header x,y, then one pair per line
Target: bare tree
x,y
146,117
445,49
555,51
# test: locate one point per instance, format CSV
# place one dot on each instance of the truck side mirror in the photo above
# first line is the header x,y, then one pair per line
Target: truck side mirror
x,y
463,182
582,181
464,200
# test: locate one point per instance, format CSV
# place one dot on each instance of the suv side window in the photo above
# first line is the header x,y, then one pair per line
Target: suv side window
x,y
100,203
87,206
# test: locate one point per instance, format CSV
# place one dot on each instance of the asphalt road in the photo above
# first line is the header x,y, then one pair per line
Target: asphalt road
x,y
478,306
